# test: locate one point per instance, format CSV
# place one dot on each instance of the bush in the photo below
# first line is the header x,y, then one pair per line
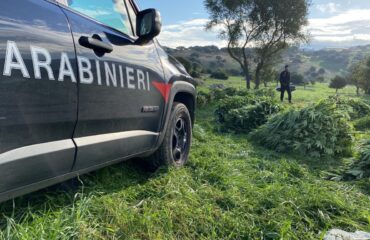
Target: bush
x,y
235,72
219,75
361,167
356,108
362,124
217,94
364,163
243,114
230,91
266,92
203,98
320,130
359,109
196,74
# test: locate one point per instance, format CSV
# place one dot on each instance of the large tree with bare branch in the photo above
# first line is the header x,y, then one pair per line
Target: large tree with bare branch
x,y
257,28
282,25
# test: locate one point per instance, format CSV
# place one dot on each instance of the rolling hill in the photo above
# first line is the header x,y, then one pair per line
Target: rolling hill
x,y
310,63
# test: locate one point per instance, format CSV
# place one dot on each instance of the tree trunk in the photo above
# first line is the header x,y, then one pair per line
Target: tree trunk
x,y
247,77
336,90
265,84
248,81
358,90
258,76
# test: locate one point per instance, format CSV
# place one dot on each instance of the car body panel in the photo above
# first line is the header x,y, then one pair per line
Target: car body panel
x,y
34,110
54,130
115,105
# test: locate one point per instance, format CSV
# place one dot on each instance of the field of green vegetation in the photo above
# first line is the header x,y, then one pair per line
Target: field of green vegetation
x,y
232,188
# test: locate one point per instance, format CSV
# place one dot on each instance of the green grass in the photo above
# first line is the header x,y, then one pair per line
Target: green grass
x,y
230,189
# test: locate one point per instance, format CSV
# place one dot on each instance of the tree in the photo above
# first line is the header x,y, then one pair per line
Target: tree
x,y
267,25
360,75
356,76
337,83
320,79
238,28
281,25
268,74
297,79
321,71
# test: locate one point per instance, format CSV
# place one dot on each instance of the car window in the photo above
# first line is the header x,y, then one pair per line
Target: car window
x,y
113,13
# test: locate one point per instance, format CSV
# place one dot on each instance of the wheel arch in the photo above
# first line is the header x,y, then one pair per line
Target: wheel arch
x,y
189,101
183,92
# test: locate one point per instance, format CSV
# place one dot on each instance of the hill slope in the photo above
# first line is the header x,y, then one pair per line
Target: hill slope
x,y
306,62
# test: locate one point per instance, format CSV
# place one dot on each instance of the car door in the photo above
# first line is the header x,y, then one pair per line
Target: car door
x,y
120,91
38,94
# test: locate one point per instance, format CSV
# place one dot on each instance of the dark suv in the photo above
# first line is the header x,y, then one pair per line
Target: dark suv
x,y
84,84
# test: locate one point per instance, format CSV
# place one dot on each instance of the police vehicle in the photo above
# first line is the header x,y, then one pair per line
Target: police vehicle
x,y
84,84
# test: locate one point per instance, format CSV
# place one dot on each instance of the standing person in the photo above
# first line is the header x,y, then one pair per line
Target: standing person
x,y
285,84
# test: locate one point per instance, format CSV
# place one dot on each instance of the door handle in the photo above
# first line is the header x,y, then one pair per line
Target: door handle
x,y
96,44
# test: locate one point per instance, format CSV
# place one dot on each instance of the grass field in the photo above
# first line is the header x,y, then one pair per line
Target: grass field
x,y
230,189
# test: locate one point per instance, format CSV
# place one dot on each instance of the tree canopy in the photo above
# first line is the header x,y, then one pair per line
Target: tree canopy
x,y
338,82
257,28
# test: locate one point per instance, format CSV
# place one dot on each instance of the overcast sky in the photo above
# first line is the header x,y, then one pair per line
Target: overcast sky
x,y
340,23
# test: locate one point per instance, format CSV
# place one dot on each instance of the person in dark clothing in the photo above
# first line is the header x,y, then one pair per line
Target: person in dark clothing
x,y
285,84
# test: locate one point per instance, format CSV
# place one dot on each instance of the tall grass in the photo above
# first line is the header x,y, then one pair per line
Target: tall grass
x,y
230,189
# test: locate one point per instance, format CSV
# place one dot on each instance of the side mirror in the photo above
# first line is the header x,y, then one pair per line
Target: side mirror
x,y
149,25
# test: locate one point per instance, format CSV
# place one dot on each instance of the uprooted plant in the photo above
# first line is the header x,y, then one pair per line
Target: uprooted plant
x,y
321,130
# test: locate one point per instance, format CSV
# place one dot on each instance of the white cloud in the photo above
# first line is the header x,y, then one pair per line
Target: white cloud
x,y
189,33
343,29
329,7
350,26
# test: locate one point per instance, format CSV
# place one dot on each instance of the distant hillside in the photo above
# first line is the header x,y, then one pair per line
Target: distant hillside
x,y
306,62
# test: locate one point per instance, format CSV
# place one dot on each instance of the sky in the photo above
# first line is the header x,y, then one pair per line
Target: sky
x,y
340,23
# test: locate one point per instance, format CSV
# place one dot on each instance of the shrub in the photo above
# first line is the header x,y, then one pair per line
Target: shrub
x,y
359,107
319,130
219,75
361,167
217,94
234,72
203,98
266,92
243,114
356,108
229,104
364,163
230,91
196,74
362,124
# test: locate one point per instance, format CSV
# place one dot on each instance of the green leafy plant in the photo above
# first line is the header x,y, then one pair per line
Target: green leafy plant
x,y
362,123
219,74
356,108
245,113
364,162
360,168
319,130
217,94
203,98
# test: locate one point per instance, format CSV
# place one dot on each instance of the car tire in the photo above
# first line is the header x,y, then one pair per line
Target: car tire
x,y
175,148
